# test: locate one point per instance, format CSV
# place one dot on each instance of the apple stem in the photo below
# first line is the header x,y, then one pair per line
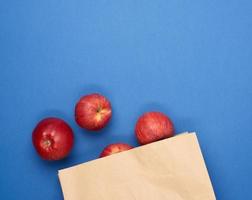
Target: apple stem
x,y
47,143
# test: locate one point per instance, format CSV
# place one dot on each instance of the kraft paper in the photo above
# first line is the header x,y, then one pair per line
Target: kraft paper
x,y
170,169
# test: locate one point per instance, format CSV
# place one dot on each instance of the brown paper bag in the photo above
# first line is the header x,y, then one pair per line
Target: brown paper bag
x,y
170,169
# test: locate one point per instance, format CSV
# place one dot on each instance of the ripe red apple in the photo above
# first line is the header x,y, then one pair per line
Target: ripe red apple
x,y
153,126
53,138
93,112
115,148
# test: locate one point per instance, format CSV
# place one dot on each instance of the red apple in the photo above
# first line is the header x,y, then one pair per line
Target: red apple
x,y
93,112
153,126
115,148
53,138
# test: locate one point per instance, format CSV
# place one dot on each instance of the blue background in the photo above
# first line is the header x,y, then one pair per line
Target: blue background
x,y
189,59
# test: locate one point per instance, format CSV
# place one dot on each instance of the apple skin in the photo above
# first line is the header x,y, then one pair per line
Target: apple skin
x,y
153,126
93,112
115,148
53,138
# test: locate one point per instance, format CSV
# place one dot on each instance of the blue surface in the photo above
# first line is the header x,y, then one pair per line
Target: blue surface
x,y
189,59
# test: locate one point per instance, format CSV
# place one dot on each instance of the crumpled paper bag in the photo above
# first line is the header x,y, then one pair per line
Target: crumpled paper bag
x,y
170,169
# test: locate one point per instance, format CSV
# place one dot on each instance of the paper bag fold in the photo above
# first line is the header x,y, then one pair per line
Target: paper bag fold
x,y
171,169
